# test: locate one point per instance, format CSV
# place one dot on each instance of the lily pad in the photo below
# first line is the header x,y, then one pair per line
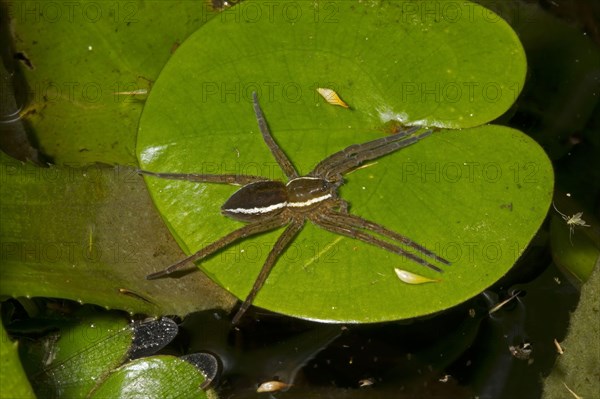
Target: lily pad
x,y
83,64
154,377
99,226
88,357
70,363
14,380
475,196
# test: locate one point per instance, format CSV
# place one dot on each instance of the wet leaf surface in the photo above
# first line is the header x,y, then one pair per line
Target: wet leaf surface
x,y
474,196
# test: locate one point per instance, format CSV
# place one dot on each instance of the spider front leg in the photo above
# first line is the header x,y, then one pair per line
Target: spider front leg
x,y
280,157
350,151
237,180
334,166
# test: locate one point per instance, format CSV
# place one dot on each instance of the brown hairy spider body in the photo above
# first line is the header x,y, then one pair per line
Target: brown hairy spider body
x,y
267,204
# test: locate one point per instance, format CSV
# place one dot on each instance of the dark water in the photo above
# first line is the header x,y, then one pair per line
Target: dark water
x,y
462,353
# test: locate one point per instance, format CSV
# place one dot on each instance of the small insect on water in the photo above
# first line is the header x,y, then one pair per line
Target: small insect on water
x,y
572,221
268,204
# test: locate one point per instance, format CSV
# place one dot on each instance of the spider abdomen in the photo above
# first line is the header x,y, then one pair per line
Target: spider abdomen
x,y
256,200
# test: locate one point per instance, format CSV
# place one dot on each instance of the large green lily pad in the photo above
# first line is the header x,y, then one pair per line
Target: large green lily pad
x,y
83,62
475,196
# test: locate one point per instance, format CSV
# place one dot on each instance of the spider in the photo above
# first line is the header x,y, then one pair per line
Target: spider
x,y
269,204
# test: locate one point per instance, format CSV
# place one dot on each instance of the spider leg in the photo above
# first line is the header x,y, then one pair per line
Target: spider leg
x,y
341,205
282,242
352,156
335,171
325,222
237,180
349,151
243,232
277,152
360,223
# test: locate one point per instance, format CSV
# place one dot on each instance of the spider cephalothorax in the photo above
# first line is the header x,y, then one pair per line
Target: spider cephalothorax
x,y
268,204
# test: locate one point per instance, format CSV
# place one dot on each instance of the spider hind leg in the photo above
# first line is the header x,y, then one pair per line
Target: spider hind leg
x,y
359,223
330,221
280,245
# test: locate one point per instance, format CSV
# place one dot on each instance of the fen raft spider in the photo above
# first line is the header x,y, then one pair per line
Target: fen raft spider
x,y
268,204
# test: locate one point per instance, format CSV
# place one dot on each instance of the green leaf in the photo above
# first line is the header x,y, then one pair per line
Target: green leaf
x,y
575,369
85,359
14,381
477,208
459,67
77,56
153,377
70,363
64,229
475,196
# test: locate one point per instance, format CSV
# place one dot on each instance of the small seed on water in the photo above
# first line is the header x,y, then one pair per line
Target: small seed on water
x,y
366,382
559,348
272,386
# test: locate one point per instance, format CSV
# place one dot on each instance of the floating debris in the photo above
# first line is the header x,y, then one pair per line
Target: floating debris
x,y
504,302
571,392
367,165
557,279
572,221
133,294
412,278
272,386
559,348
332,97
366,382
138,92
92,228
522,351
